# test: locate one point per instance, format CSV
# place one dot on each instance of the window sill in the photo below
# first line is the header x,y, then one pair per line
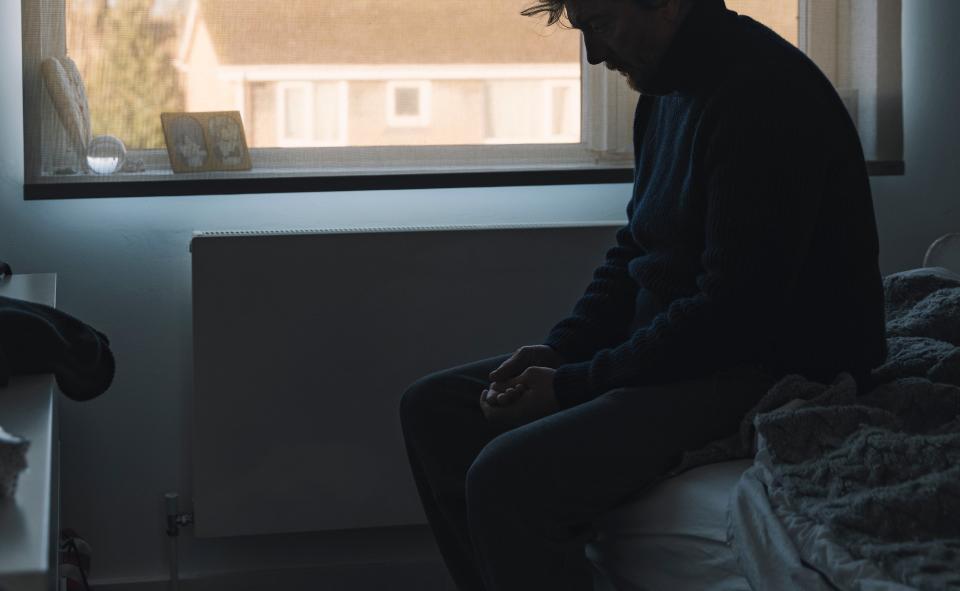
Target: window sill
x,y
153,184
886,168
158,184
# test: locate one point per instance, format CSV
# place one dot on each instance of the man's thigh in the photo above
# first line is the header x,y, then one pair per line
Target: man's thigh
x,y
583,461
443,423
448,394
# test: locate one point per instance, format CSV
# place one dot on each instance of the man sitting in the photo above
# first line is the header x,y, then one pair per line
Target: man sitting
x,y
750,252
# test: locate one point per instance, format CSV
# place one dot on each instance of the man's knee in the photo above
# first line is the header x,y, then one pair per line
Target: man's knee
x,y
429,398
417,399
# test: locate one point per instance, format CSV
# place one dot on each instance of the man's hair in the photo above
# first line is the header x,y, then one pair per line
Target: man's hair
x,y
554,8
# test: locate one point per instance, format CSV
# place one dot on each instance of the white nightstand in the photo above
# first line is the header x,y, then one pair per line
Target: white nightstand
x,y
30,521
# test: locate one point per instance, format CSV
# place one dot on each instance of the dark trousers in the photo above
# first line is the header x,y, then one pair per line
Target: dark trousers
x,y
511,509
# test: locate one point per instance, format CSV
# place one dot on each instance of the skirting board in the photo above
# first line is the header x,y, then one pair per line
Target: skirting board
x,y
412,576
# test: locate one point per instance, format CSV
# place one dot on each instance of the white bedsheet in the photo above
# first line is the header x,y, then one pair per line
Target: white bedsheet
x,y
780,549
672,538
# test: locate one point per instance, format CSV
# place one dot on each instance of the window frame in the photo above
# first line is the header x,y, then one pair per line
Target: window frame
x,y
550,112
603,155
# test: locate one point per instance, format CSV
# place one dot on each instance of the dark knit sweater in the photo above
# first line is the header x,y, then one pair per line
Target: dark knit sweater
x,y
751,235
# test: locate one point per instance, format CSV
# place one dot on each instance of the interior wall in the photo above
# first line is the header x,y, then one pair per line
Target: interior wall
x,y
124,268
914,209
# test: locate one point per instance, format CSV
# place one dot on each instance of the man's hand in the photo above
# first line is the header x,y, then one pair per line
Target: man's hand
x,y
523,358
531,397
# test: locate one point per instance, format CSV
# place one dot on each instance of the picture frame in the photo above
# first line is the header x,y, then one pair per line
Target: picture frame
x,y
205,141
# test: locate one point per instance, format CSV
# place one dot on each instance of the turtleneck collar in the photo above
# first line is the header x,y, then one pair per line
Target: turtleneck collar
x,y
694,53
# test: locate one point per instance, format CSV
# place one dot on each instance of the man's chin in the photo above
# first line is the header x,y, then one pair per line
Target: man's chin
x,y
631,81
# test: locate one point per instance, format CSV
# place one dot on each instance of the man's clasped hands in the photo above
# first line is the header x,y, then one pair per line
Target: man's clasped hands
x,y
521,389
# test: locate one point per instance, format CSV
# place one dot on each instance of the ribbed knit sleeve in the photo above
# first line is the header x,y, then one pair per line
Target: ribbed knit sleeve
x,y
601,316
762,156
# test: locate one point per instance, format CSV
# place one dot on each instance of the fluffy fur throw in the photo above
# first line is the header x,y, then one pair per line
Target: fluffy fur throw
x,y
873,476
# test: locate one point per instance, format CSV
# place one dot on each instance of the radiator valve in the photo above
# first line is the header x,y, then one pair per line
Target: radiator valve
x,y
175,520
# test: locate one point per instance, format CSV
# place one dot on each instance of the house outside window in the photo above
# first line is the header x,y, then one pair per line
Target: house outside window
x,y
528,110
562,114
330,89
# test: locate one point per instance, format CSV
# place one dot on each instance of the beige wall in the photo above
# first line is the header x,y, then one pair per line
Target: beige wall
x,y
202,90
456,115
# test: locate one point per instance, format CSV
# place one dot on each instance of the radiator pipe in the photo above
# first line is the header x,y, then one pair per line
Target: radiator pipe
x,y
174,521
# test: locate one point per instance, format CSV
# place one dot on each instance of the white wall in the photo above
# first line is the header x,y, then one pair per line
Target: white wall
x,y
124,268
914,209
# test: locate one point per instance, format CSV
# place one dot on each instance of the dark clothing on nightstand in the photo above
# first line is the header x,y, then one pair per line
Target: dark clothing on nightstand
x,y
35,338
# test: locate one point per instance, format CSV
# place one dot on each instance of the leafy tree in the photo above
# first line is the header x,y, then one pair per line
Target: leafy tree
x,y
132,80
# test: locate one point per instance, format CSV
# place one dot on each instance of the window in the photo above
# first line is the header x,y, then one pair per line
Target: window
x,y
408,103
783,16
311,113
857,45
513,109
562,114
530,111
327,91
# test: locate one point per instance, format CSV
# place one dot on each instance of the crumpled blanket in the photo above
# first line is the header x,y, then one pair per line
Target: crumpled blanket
x,y
880,473
878,470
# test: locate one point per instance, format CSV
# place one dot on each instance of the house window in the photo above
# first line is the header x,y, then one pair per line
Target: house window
x,y
478,89
294,111
514,111
563,109
532,111
312,113
408,103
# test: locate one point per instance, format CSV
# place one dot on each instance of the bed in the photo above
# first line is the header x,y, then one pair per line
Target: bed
x,y
673,538
824,488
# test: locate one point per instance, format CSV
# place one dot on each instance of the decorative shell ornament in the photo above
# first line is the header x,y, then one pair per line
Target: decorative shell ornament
x,y
69,96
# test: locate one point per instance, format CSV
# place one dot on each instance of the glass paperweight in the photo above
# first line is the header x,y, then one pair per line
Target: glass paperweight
x,y
105,154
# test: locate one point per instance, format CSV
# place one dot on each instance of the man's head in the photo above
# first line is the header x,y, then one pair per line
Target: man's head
x,y
630,36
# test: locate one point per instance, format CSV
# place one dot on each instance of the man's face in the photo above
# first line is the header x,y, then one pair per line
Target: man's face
x,y
626,35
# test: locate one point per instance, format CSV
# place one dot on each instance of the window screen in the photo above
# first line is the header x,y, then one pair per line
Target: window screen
x,y
141,57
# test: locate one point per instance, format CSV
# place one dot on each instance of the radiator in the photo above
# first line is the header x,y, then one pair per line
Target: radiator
x,y
304,342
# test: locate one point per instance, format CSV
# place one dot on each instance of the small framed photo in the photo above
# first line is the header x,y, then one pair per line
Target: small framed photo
x,y
205,142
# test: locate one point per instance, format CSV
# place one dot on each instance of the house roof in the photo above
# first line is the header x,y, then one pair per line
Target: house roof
x,y
254,32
